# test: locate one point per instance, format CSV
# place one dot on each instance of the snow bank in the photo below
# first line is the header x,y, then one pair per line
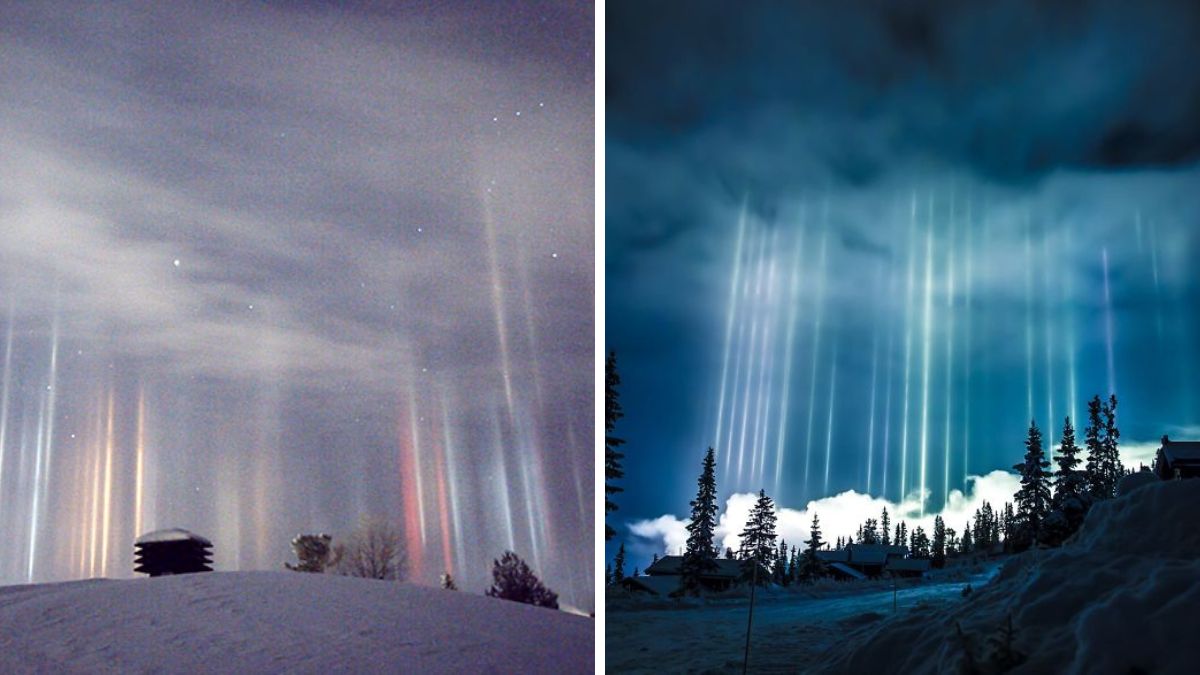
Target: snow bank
x,y
1120,597
280,622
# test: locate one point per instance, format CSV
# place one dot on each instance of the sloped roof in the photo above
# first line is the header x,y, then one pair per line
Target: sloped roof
x,y
1182,452
838,555
873,554
672,565
907,564
847,570
660,585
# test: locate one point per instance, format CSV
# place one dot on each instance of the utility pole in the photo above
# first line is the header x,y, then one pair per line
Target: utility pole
x,y
750,618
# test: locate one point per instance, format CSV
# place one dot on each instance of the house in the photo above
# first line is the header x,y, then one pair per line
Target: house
x,y
1178,459
665,576
860,561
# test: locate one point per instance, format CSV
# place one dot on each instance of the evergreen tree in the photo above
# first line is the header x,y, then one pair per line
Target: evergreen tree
x,y
884,524
448,582
870,532
729,553
902,535
608,580
513,580
939,542
612,458
1094,470
811,566
1112,469
966,545
780,571
899,538
758,538
1010,520
619,564
951,542
700,555
1033,499
1069,482
920,543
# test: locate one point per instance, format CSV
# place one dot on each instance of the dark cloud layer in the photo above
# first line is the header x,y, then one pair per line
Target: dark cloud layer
x,y
1009,89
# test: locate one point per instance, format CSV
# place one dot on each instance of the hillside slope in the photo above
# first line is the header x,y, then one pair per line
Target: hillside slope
x,y
1120,597
280,621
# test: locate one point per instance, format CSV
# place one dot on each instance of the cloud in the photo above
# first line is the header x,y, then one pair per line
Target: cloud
x,y
839,515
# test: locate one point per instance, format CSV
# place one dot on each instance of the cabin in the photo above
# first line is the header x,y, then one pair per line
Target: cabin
x,y
665,576
862,561
1178,459
171,551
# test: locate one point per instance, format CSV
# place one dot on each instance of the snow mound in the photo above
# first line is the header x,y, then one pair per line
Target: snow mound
x,y
263,622
1119,597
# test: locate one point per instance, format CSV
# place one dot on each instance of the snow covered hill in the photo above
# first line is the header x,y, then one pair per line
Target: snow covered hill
x,y
264,622
1122,597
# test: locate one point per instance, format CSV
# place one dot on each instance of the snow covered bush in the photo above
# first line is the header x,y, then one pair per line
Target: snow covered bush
x,y
313,551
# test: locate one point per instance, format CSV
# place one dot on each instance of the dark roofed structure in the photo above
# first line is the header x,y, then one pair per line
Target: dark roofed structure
x,y
1178,459
172,551
666,572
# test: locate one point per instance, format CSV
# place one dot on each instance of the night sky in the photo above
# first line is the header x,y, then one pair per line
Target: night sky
x,y
858,246
267,268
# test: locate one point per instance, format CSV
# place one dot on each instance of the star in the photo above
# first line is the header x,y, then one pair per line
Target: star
x,y
176,262
553,255
518,113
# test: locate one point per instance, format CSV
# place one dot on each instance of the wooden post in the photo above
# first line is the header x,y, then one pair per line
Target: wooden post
x,y
750,617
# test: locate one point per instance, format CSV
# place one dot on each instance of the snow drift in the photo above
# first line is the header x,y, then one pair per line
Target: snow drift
x,y
1120,597
280,621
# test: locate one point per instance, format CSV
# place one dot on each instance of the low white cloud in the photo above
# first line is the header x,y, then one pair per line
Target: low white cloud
x,y
839,515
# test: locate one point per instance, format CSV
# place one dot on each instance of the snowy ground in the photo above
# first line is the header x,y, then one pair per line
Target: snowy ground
x,y
791,629
265,622
1121,597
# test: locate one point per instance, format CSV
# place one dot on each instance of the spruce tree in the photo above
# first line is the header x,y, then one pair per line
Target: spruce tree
x,y
884,524
780,571
1069,482
1112,467
619,564
1094,470
966,545
1033,499
870,532
811,566
758,538
513,580
939,542
608,580
699,557
612,458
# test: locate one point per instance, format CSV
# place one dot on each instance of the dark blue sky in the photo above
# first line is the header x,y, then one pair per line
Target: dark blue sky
x,y
934,220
